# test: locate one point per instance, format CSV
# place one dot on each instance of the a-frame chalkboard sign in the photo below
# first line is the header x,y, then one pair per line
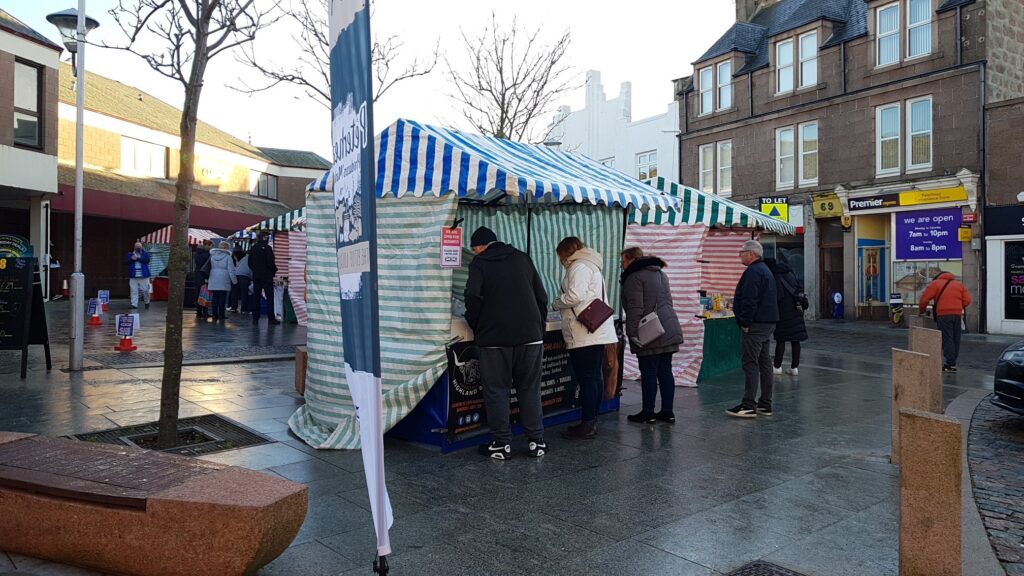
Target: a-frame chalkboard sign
x,y
22,316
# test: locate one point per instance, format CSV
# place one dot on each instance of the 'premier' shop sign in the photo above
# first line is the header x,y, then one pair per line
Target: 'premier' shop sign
x,y
874,202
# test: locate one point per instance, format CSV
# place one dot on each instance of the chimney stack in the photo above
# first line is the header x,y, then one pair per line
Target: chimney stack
x,y
746,9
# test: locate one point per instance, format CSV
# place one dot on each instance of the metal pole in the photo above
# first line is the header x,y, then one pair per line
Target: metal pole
x,y
78,278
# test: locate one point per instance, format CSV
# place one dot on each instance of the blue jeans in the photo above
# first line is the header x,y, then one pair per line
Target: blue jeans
x,y
588,368
656,374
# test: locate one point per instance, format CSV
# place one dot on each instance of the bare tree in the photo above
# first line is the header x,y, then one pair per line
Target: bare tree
x,y
178,38
311,71
511,79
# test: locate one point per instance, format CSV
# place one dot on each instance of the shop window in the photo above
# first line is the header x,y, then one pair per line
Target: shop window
x,y
919,138
264,185
809,59
725,85
919,28
647,165
784,158
887,139
140,158
725,168
809,154
911,278
27,115
706,155
706,87
887,35
872,270
784,67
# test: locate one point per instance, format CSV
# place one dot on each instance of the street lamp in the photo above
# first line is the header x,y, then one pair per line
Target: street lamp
x,y
74,25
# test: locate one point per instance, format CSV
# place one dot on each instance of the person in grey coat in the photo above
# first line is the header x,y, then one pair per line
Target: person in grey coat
x,y
645,289
757,312
238,300
221,270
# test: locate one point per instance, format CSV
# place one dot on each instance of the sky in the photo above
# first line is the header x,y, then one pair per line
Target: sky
x,y
646,42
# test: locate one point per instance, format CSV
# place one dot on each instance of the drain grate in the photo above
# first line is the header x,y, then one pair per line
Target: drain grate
x,y
763,569
222,433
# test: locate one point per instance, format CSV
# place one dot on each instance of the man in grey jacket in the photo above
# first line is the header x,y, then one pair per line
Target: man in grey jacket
x,y
757,311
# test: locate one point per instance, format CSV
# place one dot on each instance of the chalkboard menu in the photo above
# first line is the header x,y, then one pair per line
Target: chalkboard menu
x,y
22,316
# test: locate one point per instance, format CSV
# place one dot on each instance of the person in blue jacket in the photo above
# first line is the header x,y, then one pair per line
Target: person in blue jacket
x,y
757,311
138,274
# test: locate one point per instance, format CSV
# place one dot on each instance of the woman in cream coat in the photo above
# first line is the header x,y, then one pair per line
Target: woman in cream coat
x,y
582,284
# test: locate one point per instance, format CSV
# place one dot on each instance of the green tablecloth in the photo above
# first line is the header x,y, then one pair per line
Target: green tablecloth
x,y
721,348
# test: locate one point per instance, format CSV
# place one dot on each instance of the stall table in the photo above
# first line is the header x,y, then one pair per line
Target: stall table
x,y
721,347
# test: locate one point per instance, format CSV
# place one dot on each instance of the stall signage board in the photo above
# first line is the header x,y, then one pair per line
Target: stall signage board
x,y
776,207
451,247
827,206
103,296
22,316
14,246
126,325
928,235
1013,289
94,306
873,202
918,197
466,414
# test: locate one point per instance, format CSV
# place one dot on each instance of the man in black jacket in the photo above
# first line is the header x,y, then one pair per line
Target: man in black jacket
x,y
506,306
757,311
263,266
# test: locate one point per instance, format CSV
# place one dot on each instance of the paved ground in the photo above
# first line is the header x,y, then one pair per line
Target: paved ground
x,y
809,488
996,454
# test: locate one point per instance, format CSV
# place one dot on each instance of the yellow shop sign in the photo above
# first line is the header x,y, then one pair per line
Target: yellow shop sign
x,y
937,196
826,206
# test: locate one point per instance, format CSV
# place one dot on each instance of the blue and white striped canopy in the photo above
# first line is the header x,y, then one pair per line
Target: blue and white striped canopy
x,y
422,160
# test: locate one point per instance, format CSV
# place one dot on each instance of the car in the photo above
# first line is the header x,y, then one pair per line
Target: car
x,y
1009,385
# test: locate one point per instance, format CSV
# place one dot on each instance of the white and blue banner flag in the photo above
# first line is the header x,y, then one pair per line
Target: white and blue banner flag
x,y
356,236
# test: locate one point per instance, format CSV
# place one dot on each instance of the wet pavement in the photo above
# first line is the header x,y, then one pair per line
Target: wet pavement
x,y
809,488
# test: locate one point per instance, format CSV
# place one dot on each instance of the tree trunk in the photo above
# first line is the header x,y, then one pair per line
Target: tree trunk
x,y
179,260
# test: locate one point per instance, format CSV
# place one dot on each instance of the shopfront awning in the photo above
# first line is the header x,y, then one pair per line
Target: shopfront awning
x,y
163,236
696,207
419,160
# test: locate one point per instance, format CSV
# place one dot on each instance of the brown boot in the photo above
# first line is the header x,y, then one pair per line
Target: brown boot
x,y
581,431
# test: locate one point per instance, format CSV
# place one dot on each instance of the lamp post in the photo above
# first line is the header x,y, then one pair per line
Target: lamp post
x,y
74,25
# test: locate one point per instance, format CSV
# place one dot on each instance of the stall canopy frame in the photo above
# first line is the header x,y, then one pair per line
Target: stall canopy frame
x,y
423,173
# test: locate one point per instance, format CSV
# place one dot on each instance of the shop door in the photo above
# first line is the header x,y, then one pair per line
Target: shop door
x,y
830,258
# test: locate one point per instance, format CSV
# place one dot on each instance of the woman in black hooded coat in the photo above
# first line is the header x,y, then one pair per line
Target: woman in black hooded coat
x,y
791,327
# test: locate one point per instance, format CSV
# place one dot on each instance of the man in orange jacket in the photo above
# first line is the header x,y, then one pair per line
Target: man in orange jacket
x,y
950,298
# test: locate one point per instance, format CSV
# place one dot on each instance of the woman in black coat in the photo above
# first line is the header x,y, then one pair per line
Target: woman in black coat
x,y
792,301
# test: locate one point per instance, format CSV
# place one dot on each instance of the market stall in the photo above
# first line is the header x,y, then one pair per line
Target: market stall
x,y
158,244
429,179
288,238
700,241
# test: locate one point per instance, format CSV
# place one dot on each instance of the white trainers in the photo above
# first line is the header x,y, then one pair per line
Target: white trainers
x,y
793,371
777,370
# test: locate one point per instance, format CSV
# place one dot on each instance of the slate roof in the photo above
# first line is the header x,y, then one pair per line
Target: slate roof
x,y
15,26
752,38
296,158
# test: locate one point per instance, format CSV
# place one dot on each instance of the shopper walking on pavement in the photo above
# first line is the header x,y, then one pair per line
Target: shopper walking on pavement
x,y
646,290
221,270
199,260
238,300
951,299
506,306
138,275
792,303
757,310
263,266
583,284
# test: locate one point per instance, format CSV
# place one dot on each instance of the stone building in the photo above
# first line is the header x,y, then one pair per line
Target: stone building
x,y
876,116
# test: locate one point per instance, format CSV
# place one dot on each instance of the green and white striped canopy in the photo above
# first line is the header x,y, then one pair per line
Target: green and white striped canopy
x,y
698,207
294,220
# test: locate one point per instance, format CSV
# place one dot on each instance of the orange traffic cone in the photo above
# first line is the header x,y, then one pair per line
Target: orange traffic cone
x,y
106,308
65,289
126,345
94,320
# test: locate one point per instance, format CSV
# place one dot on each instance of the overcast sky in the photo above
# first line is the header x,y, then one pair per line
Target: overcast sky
x,y
646,42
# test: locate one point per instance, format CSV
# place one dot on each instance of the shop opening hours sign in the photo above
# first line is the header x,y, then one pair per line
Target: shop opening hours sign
x,y
928,235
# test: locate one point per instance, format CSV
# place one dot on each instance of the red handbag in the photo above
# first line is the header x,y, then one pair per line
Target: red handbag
x,y
595,315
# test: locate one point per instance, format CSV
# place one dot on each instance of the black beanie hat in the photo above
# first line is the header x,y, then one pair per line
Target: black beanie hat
x,y
482,237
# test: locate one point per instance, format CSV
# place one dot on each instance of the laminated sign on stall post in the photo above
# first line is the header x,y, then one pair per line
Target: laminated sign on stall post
x,y
356,242
451,247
